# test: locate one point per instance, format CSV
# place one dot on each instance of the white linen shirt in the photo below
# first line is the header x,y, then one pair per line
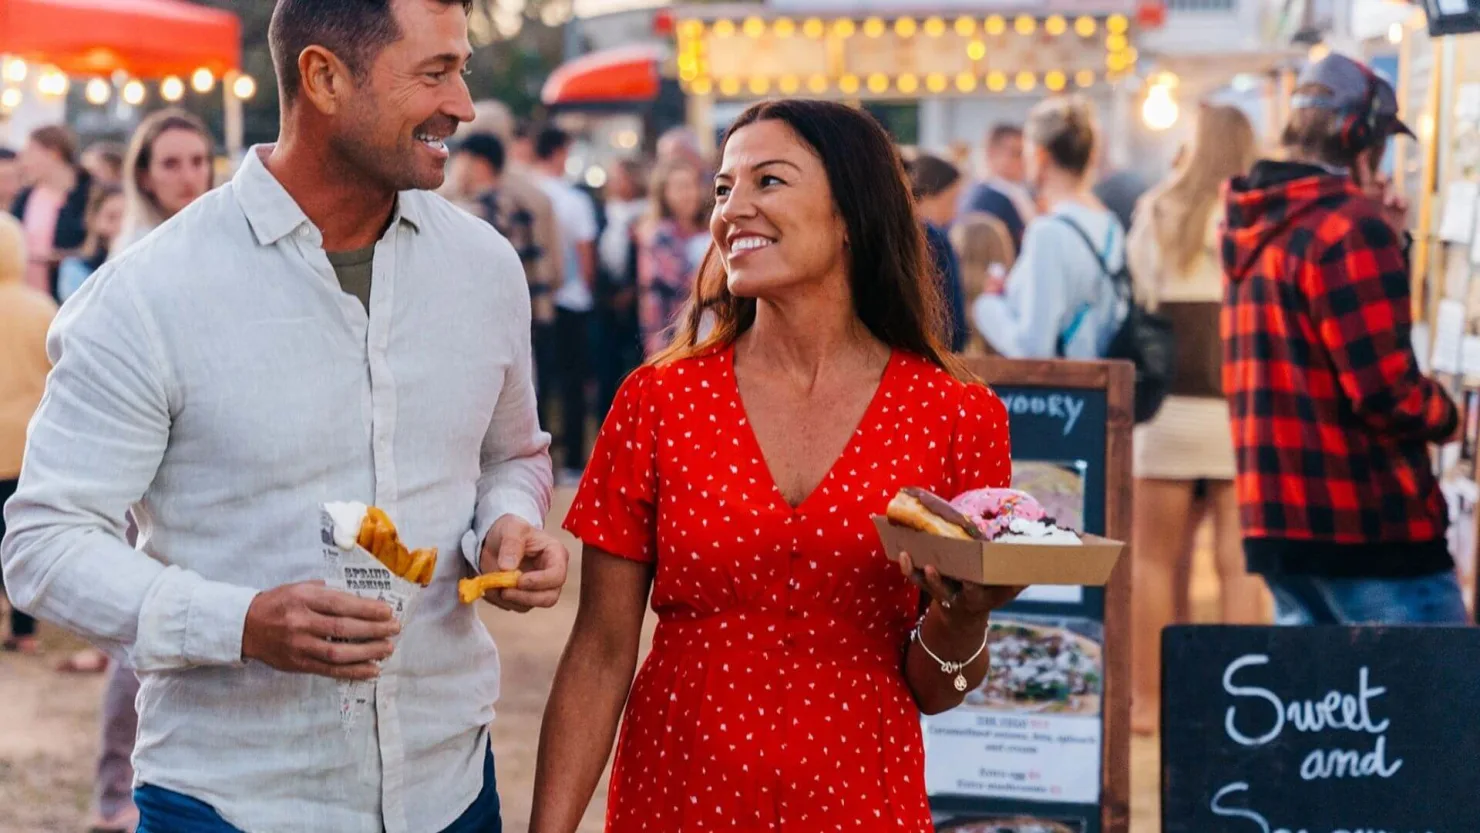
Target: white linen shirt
x,y
217,381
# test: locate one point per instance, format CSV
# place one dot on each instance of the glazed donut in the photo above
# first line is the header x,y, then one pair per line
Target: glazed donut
x,y
920,510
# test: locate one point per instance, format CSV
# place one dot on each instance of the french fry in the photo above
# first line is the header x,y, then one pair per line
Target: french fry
x,y
430,571
470,590
420,571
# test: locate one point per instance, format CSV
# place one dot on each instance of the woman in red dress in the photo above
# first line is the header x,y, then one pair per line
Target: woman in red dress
x,y
735,479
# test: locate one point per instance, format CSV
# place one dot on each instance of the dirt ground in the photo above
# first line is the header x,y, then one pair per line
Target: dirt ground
x,y
49,736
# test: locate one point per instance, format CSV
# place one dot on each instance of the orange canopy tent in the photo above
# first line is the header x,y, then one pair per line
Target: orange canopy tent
x,y
618,74
144,38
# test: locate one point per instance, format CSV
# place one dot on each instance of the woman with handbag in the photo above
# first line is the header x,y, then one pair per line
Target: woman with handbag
x,y
1183,459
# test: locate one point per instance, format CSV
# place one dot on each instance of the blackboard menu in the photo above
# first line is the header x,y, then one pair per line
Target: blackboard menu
x,y
1321,730
1023,753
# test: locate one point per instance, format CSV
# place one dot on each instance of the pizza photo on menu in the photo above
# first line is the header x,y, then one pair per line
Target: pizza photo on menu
x,y
1015,824
1042,666
1059,488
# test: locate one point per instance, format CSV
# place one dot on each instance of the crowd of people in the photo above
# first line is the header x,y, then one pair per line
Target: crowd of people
x,y
808,268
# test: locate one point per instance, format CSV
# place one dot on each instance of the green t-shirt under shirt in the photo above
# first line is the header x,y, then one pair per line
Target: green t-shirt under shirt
x,y
353,269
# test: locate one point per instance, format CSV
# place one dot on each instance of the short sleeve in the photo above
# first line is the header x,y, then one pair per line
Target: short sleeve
x,y
615,508
981,447
584,228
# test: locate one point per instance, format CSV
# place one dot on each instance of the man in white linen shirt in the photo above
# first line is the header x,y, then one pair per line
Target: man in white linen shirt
x,y
319,329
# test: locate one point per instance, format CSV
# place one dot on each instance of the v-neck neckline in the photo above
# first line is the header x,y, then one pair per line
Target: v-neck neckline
x,y
777,496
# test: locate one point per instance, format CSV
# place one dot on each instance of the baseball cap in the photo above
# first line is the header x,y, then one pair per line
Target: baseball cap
x,y
1355,89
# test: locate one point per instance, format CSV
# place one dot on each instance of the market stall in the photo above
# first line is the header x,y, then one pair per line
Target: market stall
x,y
115,46
617,100
1440,89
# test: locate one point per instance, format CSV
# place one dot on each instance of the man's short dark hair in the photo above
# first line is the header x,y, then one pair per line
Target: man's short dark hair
x,y
354,30
1003,132
549,141
524,129
487,147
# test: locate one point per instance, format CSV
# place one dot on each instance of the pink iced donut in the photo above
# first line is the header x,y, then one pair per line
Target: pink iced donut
x,y
993,509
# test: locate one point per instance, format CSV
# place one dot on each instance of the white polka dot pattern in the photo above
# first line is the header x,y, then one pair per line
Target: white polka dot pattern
x,y
774,697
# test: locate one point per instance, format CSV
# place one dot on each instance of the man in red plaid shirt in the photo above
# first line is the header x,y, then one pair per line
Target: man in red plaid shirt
x,y
1332,419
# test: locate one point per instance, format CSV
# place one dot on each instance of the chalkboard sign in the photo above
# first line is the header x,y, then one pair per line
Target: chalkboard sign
x,y
1320,729
1051,761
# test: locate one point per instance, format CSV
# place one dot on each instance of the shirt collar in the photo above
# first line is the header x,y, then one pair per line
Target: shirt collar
x,y
273,213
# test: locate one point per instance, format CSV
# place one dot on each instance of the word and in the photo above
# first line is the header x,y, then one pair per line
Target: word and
x,y
1054,405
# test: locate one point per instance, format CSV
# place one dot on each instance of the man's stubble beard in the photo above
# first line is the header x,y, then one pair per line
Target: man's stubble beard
x,y
393,168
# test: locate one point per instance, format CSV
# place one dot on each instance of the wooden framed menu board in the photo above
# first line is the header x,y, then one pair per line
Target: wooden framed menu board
x,y
1049,751
1320,729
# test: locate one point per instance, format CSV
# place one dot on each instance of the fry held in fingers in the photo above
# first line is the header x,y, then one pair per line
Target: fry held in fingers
x,y
470,590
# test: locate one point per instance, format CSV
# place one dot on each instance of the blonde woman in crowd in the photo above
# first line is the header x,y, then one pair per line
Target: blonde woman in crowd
x,y
668,257
983,246
1059,301
168,167
1184,464
25,315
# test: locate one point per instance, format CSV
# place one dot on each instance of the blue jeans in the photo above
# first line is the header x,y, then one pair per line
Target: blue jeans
x,y
1427,600
166,811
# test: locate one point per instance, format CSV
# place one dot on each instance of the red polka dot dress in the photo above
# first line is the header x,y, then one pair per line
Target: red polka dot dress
x,y
774,697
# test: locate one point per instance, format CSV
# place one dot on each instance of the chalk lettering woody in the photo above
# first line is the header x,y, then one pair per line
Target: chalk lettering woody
x,y
1336,712
1054,405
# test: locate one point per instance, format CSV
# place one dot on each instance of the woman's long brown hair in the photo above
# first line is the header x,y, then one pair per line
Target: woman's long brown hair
x,y
895,292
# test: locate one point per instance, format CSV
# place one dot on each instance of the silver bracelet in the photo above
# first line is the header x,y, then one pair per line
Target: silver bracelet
x,y
947,667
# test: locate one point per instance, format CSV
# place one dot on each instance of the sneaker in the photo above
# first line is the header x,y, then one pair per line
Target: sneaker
x,y
569,478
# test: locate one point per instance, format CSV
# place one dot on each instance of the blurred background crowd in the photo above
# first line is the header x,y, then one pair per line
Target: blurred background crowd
x,y
1072,146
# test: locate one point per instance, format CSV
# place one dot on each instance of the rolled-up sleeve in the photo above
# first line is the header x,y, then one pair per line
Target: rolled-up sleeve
x,y
515,474
94,447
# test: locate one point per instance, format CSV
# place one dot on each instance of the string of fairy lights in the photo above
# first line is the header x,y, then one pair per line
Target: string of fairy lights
x,y
51,83
1110,34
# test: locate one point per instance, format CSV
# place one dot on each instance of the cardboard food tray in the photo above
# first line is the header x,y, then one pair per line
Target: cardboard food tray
x,y
1011,565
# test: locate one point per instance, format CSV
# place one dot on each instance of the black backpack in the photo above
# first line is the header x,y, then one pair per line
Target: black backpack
x,y
1144,338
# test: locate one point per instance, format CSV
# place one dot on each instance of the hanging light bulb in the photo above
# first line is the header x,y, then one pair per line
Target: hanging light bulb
x,y
133,93
244,87
15,70
172,88
98,91
53,83
11,98
1160,110
202,80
